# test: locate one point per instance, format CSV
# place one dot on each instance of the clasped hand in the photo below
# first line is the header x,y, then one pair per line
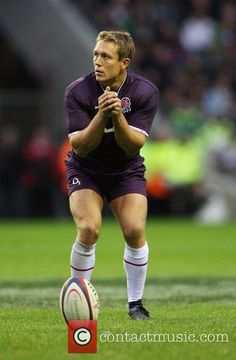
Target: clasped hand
x,y
109,103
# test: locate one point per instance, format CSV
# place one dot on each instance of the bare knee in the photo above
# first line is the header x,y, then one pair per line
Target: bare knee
x,y
88,229
88,232
86,211
134,235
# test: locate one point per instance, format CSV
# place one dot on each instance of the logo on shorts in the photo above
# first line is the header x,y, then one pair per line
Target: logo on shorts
x,y
75,181
125,104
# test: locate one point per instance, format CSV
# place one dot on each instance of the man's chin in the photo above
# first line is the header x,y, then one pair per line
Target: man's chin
x,y
99,77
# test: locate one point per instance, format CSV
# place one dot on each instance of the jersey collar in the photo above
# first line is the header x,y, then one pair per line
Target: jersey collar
x,y
120,85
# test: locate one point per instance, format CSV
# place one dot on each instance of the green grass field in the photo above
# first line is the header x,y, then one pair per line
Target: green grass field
x,y
191,289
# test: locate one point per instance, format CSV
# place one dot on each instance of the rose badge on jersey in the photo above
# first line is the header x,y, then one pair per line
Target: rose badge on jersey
x,y
125,104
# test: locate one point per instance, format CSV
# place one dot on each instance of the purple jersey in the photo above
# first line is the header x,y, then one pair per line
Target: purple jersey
x,y
139,99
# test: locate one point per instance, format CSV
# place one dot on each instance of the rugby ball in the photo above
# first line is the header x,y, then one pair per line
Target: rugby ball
x,y
79,300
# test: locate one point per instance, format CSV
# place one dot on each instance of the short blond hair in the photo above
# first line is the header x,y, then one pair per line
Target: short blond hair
x,y
123,39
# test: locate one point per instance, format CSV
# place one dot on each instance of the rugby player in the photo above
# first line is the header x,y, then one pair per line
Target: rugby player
x,y
109,116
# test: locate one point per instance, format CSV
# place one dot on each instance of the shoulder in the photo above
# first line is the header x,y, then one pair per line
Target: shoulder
x,y
144,92
142,84
80,86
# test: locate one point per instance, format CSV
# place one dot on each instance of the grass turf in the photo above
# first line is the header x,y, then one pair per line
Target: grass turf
x,y
191,289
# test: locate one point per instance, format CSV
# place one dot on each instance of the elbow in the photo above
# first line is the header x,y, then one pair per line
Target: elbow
x,y
133,151
132,148
79,150
74,143
77,147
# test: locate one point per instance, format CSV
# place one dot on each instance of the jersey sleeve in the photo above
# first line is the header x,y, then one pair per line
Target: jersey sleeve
x,y
77,116
146,106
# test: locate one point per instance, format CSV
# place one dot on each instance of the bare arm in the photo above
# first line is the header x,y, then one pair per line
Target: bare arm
x,y
86,140
129,140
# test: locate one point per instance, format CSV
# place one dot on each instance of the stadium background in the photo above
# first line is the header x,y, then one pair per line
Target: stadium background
x,y
188,49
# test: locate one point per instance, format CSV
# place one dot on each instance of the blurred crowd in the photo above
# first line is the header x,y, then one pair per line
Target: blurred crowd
x,y
188,49
32,180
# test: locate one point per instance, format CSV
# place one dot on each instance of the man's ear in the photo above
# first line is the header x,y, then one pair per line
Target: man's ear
x,y
125,63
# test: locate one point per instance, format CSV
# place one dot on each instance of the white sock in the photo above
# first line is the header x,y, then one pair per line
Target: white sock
x,y
135,265
82,259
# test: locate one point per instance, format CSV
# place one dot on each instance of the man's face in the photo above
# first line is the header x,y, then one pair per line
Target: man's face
x,y
106,62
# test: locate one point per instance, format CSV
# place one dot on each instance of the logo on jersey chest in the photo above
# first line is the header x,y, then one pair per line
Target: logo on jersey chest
x,y
125,107
125,104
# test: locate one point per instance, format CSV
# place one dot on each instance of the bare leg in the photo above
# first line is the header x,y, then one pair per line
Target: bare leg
x,y
86,206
